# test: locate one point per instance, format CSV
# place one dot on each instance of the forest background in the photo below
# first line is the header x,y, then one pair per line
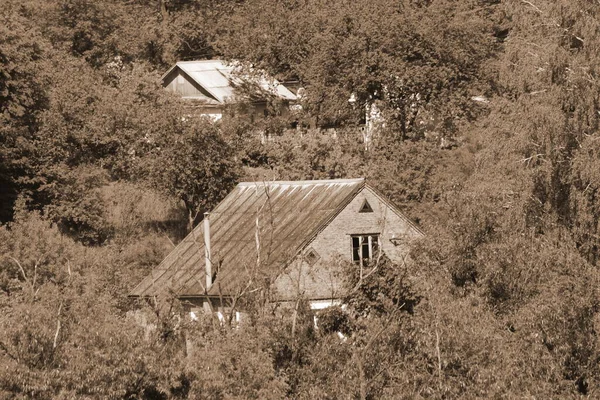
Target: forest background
x,y
491,144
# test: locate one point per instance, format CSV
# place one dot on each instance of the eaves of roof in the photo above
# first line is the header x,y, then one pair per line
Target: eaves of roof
x,y
290,213
221,85
395,208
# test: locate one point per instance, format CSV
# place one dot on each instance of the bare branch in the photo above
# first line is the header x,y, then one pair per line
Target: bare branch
x,y
54,344
20,267
8,353
359,353
386,325
536,8
169,239
295,318
528,159
437,352
35,267
538,92
31,285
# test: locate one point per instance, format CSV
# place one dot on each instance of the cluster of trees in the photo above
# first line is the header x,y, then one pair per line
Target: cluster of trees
x,y
100,172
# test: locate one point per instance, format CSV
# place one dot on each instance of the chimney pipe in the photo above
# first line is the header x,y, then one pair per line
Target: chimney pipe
x,y
207,259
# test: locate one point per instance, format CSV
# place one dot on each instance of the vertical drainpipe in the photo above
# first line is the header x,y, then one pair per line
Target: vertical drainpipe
x,y
207,259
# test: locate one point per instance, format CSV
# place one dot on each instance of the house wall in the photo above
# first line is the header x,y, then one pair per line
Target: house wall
x,y
334,248
215,113
258,110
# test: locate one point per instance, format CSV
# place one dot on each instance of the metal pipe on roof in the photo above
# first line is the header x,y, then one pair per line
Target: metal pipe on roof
x,y
207,259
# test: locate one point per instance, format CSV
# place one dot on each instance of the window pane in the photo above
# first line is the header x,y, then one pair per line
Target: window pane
x,y
355,248
375,245
365,249
355,256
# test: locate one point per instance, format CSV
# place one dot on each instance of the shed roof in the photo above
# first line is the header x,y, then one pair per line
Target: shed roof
x,y
219,78
254,232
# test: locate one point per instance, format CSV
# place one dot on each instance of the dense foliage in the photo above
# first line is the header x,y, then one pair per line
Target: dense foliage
x,y
489,141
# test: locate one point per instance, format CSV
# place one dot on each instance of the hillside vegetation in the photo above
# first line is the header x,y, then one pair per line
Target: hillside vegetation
x,y
491,144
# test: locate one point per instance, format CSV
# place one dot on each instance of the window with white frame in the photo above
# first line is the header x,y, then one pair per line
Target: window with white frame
x,y
364,247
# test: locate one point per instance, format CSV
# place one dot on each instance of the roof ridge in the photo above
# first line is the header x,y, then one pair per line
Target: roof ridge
x,y
305,182
202,61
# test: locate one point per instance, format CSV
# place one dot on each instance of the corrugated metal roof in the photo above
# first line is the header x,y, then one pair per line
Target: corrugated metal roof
x,y
286,215
219,79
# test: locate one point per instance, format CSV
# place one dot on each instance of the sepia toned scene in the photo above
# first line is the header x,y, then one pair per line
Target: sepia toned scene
x,y
299,199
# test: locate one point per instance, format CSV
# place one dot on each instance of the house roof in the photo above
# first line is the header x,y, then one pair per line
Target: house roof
x,y
219,79
278,218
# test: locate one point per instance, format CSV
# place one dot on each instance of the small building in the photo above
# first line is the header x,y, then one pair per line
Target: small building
x,y
211,85
285,240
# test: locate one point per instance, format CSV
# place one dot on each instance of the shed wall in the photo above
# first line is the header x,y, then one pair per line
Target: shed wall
x,y
179,82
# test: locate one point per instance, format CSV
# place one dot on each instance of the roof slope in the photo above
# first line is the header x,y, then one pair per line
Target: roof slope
x,y
219,79
279,218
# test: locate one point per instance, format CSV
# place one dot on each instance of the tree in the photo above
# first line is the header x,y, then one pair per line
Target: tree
x,y
64,332
422,60
193,164
23,96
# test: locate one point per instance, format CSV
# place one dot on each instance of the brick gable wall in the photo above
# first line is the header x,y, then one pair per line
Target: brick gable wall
x,y
334,246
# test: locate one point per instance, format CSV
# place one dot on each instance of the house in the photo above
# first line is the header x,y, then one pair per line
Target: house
x,y
285,239
211,85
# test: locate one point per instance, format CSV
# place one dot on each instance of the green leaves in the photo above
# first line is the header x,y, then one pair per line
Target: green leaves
x,y
388,51
382,289
193,164
22,86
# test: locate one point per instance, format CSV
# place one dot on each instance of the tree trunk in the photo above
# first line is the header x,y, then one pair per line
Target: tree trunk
x,y
361,377
191,220
164,14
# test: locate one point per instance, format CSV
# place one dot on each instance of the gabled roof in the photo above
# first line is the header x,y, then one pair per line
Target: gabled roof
x,y
219,79
286,216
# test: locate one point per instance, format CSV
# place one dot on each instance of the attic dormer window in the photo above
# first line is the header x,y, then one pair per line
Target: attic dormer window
x,y
366,207
364,247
